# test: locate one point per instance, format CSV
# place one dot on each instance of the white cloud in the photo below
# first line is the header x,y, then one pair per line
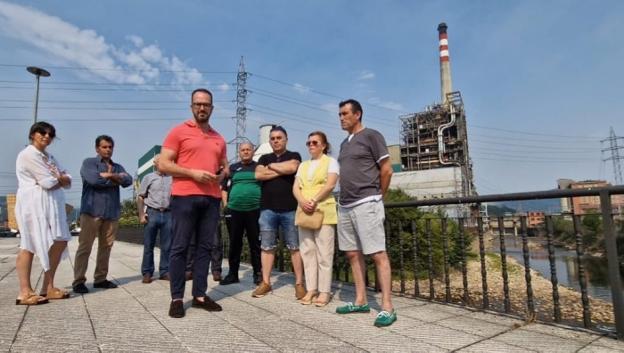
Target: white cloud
x,y
85,48
301,88
366,75
387,104
138,41
224,87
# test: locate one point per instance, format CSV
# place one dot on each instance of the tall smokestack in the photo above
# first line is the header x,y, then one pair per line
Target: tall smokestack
x,y
445,64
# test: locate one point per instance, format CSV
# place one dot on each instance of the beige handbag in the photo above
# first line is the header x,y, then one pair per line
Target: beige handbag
x,y
310,221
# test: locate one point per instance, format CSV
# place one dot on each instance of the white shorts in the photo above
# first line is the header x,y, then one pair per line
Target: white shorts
x,y
362,228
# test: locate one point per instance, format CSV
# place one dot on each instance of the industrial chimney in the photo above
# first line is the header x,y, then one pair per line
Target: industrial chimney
x,y
445,64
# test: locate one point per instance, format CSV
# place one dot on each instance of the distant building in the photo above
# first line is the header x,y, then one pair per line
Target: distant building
x,y
263,147
587,204
146,162
535,218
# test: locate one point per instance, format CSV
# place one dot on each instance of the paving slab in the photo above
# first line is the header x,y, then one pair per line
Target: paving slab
x,y
134,318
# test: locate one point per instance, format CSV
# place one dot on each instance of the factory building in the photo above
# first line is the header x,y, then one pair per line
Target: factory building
x,y
434,157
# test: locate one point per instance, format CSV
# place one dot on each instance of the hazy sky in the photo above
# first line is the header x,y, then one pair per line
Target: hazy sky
x,y
541,80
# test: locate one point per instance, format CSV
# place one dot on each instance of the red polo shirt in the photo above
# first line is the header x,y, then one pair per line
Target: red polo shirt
x,y
196,150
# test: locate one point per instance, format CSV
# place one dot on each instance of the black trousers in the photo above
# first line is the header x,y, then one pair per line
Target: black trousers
x,y
216,255
192,215
244,222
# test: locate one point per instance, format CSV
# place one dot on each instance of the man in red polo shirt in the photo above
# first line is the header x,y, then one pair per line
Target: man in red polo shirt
x,y
194,154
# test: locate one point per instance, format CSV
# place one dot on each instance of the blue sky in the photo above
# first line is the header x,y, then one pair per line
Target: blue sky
x,y
541,80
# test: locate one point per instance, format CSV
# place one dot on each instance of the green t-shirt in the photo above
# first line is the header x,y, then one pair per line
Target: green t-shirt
x,y
243,188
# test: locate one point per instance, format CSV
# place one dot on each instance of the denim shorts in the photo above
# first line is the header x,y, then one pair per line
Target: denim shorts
x,y
270,221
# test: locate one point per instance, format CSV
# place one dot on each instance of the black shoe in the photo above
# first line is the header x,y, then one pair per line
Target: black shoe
x,y
229,279
80,288
104,284
208,304
257,278
176,309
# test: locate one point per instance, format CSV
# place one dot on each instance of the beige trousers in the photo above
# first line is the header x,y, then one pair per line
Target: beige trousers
x,y
317,252
105,231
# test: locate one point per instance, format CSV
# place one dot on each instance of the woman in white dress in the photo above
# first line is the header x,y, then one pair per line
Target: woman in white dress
x,y
40,213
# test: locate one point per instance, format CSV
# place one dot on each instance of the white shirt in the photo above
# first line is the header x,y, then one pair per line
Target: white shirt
x,y
334,167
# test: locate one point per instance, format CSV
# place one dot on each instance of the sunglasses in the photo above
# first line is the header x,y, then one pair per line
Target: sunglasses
x,y
312,143
49,133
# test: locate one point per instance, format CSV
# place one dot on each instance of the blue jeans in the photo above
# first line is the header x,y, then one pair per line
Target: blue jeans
x,y
156,220
270,222
192,215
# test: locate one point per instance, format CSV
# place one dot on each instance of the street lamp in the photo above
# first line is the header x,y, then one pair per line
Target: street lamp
x,y
38,72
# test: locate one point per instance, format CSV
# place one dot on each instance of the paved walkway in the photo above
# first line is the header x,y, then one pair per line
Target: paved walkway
x,y
133,318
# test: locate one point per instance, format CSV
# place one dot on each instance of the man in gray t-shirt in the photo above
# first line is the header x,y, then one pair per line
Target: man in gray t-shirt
x,y
365,176
153,206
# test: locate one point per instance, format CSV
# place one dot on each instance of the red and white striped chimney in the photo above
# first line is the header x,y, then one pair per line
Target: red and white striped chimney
x,y
445,64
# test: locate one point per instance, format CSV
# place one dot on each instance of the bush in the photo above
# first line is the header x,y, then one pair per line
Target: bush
x,y
399,230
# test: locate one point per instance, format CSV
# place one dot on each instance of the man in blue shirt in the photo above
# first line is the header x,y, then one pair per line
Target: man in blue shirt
x,y
99,213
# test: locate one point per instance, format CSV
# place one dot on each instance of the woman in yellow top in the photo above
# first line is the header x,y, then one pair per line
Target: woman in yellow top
x,y
315,181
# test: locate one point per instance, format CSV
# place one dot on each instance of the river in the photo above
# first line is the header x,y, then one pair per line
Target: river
x,y
566,265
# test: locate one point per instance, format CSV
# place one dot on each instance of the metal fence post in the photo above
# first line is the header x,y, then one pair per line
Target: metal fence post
x,y
613,262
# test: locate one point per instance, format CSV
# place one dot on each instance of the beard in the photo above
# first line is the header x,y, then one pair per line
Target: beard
x,y
201,117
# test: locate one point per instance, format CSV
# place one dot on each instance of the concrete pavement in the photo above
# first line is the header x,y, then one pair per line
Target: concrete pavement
x,y
133,318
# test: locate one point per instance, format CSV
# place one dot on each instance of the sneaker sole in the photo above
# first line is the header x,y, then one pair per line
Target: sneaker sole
x,y
385,325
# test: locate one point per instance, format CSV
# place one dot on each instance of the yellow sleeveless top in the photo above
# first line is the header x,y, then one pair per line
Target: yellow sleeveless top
x,y
309,188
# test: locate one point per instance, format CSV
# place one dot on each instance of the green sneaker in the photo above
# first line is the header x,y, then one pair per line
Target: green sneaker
x,y
351,308
385,318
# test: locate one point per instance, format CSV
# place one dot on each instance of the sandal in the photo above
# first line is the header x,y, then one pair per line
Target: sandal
x,y
32,299
321,304
56,293
308,301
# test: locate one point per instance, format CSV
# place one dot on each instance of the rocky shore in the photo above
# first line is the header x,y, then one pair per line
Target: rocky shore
x,y
570,300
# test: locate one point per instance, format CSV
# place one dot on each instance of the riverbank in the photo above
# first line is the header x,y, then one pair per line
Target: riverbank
x,y
570,300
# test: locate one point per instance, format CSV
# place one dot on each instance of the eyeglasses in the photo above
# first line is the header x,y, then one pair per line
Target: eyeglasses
x,y
205,105
312,143
49,133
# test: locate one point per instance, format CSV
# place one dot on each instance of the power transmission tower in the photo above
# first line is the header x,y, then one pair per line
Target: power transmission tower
x,y
241,108
615,155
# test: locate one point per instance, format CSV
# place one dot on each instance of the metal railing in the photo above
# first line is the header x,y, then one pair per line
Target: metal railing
x,y
439,247
440,258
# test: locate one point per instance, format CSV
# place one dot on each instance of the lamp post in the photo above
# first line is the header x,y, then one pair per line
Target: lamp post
x,y
38,72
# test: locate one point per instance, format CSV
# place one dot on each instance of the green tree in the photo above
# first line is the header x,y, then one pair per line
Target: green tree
x,y
129,213
407,226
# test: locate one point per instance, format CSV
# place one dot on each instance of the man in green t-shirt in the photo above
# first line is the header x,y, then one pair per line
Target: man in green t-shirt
x,y
241,195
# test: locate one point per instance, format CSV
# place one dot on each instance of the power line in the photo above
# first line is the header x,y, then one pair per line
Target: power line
x,y
94,109
85,68
105,89
553,141
109,101
308,89
529,132
524,160
533,152
503,144
109,119
82,83
533,158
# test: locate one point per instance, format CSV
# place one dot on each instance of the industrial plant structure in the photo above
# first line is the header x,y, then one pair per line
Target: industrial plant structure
x,y
434,156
